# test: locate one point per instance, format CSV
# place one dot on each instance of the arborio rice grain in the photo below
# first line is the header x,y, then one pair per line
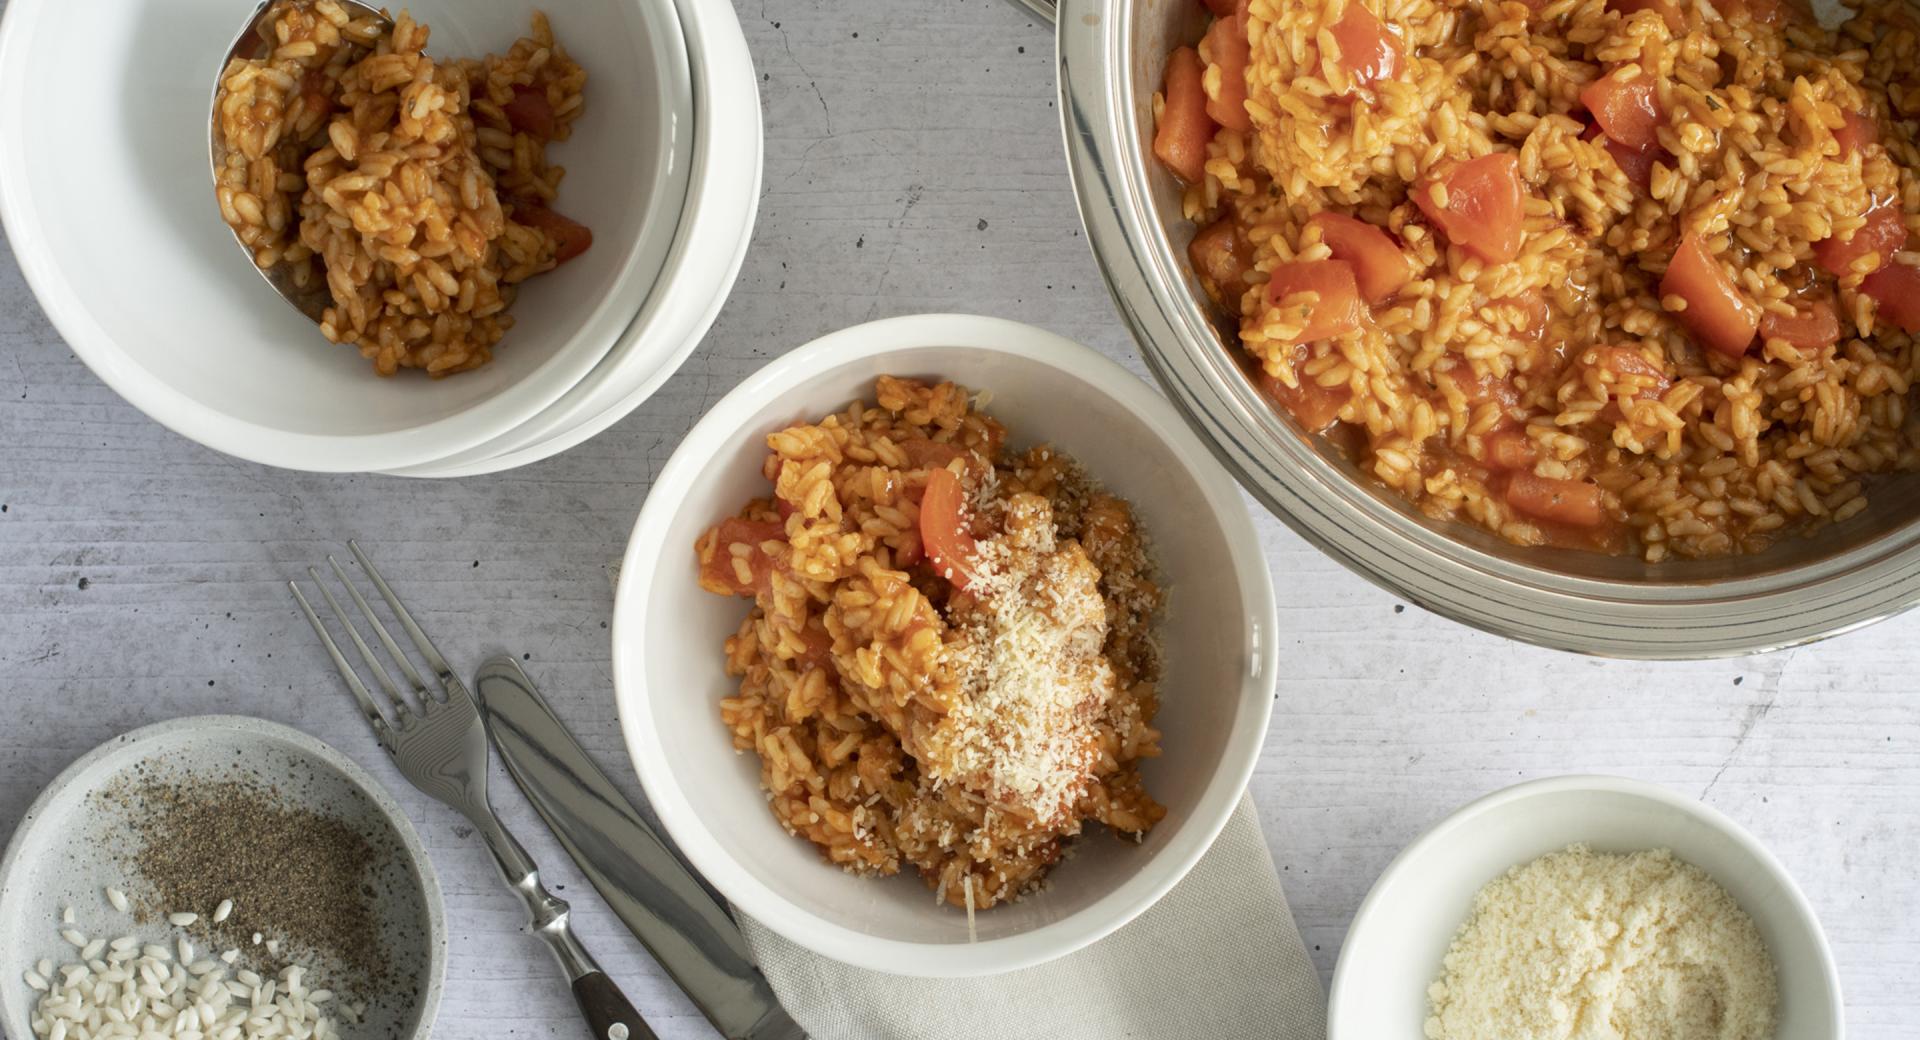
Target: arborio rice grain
x,y
121,989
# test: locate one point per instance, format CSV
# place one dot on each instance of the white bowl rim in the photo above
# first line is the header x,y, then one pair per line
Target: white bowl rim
x,y
65,309
432,899
829,938
1440,833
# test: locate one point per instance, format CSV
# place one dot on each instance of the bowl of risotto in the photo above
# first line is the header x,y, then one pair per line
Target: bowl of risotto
x,y
929,674
474,202
1587,323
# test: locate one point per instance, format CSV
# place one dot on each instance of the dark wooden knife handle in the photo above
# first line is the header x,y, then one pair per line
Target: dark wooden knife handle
x,y
607,1008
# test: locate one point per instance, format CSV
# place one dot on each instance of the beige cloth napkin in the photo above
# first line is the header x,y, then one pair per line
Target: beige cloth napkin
x,y
1218,958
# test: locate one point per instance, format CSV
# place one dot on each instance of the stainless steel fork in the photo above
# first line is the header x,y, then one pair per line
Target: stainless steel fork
x,y
441,746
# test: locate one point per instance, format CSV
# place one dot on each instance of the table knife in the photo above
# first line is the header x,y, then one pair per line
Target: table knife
x,y
686,929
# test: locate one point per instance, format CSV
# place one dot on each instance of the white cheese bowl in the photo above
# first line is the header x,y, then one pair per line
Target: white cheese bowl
x,y
1394,948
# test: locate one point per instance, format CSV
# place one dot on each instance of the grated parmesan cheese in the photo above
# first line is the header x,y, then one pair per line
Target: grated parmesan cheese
x,y
1033,679
1579,945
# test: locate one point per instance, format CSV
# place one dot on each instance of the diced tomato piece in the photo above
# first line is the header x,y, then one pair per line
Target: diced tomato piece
x,y
719,575
1509,450
1628,110
1223,8
1379,266
1884,233
1717,315
1337,308
1227,43
1484,204
1368,51
1668,10
1221,256
1636,163
1810,329
1185,127
1313,406
1575,503
530,112
1857,132
785,507
1897,289
570,237
943,528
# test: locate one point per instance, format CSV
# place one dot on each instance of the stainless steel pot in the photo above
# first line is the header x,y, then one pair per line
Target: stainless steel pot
x,y
1111,54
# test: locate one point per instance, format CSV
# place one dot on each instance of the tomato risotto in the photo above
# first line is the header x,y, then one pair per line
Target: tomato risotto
x,y
950,661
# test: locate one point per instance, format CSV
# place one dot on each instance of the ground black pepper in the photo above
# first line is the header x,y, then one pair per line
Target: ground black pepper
x,y
295,875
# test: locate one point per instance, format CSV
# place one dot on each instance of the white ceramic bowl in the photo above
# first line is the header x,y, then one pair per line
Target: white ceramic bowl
x,y
716,223
1394,947
106,196
1219,636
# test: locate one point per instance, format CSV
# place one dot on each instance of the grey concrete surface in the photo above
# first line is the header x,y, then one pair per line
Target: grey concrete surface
x,y
913,164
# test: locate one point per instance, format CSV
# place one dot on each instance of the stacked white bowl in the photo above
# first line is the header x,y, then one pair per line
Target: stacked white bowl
x,y
107,199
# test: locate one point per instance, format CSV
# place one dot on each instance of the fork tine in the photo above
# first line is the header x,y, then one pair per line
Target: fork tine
x,y
367,707
427,649
366,652
380,632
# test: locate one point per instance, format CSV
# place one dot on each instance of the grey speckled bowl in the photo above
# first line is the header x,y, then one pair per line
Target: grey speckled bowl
x,y
64,855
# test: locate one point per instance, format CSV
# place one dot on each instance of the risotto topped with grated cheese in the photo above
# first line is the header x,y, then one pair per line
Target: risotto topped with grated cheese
x,y
950,661
1632,276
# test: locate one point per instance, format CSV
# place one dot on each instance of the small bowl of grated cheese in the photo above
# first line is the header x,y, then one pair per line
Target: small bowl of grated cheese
x,y
1582,908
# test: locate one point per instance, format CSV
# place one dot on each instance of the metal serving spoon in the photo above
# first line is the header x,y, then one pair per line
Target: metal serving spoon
x,y
254,39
